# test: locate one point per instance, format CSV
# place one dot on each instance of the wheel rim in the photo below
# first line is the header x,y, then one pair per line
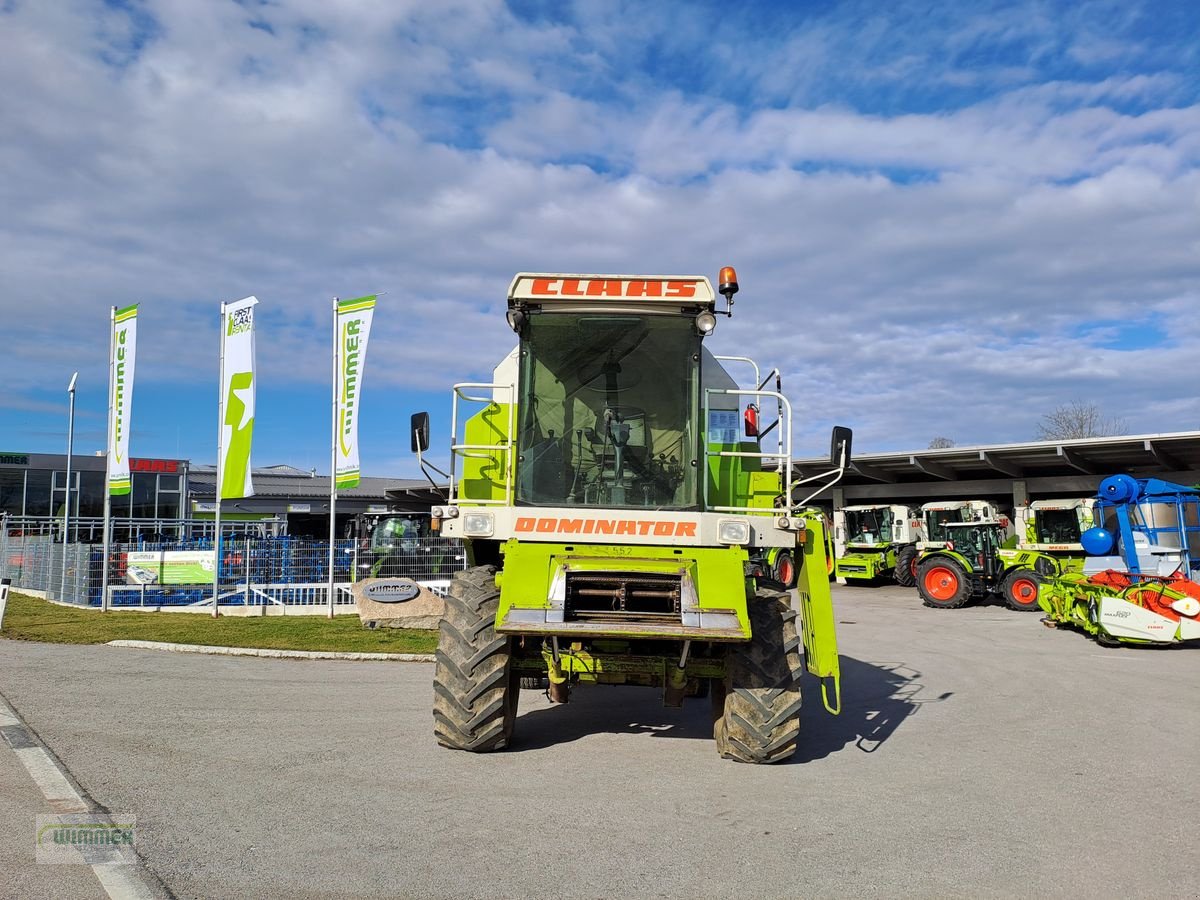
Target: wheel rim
x,y
912,567
941,583
1024,592
787,570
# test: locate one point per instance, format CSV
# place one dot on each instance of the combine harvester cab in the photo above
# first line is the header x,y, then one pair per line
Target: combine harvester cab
x,y
1138,586
878,541
617,494
1055,527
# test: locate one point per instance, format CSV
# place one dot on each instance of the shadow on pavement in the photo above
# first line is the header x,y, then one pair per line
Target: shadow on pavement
x,y
876,699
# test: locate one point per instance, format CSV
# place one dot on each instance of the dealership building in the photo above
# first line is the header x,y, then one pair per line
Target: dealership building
x,y
175,498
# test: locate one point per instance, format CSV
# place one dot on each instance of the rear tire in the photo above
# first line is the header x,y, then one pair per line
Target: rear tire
x,y
475,688
942,583
905,572
1020,589
757,709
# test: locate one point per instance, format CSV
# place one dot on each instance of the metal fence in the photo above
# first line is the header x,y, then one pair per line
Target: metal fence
x,y
253,571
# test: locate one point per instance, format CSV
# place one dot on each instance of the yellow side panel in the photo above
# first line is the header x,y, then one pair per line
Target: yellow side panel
x,y
816,611
764,488
483,471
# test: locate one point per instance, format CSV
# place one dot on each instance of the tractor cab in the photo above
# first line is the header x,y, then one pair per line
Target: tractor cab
x,y
978,542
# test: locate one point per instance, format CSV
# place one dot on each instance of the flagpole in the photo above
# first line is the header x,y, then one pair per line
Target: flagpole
x,y
333,429
220,442
107,539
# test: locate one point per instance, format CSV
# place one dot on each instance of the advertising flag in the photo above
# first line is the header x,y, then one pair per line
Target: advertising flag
x,y
237,400
353,329
120,401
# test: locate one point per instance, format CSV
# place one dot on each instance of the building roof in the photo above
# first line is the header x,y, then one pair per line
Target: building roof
x,y
1138,455
288,482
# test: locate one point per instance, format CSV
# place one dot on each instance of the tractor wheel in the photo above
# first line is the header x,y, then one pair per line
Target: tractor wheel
x,y
1020,589
942,583
785,569
475,688
759,718
905,572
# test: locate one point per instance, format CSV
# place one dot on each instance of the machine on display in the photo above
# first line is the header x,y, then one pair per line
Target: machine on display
x,y
400,545
1138,584
878,541
615,495
1055,527
937,514
972,561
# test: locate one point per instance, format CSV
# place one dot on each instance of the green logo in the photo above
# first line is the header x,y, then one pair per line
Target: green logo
x,y
237,456
350,367
119,393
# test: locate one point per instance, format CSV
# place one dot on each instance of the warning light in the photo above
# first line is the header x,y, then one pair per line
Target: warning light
x,y
728,282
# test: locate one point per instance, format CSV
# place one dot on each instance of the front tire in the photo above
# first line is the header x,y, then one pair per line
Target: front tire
x,y
1020,589
905,572
757,708
942,583
475,688
785,569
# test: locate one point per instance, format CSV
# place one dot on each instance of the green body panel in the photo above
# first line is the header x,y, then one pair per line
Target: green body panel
x,y
717,572
1069,598
739,480
866,564
483,474
816,611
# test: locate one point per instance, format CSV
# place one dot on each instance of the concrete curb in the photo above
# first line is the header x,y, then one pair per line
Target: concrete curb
x,y
272,654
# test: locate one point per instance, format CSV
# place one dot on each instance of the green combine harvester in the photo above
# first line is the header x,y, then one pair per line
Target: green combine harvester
x,y
615,500
879,540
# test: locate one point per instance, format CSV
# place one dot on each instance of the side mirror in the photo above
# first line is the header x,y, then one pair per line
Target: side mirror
x,y
839,449
420,432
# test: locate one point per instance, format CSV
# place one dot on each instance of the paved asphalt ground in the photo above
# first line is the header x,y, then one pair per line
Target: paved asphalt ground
x,y
979,754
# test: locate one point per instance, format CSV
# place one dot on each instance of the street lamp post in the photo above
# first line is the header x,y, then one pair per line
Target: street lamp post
x,y
62,595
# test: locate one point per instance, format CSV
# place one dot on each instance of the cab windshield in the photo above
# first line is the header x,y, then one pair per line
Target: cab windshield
x,y
608,406
936,521
1058,526
869,526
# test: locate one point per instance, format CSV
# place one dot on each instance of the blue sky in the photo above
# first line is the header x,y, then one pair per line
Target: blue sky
x,y
947,218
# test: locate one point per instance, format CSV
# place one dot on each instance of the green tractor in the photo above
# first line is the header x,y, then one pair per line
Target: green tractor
x,y
974,563
616,502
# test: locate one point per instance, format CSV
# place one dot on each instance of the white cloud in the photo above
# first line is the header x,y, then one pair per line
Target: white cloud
x,y
432,151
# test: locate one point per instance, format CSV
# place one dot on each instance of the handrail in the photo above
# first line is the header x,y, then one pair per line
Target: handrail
x,y
482,451
785,444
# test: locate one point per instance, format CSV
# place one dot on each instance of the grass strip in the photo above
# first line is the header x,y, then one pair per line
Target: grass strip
x,y
31,619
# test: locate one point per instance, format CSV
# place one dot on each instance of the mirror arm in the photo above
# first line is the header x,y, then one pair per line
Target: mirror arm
x,y
424,471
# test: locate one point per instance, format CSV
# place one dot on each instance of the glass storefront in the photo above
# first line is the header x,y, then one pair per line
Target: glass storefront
x,y
39,490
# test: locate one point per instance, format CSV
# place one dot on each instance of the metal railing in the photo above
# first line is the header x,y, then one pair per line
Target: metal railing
x,y
292,572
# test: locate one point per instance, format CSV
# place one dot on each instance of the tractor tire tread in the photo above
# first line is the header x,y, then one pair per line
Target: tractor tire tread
x,y
759,720
474,685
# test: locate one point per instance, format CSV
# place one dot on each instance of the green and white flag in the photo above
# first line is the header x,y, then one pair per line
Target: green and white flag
x,y
353,327
237,399
120,400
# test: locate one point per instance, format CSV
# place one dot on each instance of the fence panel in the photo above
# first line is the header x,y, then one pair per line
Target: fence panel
x,y
253,571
